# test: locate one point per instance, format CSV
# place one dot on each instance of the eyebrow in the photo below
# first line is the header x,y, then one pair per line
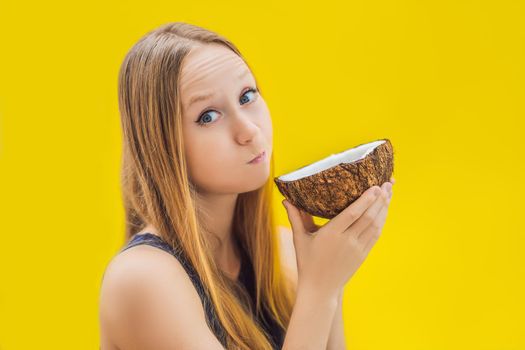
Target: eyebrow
x,y
198,98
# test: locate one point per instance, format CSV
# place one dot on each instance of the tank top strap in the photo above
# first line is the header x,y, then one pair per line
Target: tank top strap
x,y
156,241
211,315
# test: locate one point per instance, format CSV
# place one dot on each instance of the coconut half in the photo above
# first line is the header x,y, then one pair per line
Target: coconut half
x,y
327,187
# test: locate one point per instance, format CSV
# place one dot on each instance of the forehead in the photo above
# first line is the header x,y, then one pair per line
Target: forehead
x,y
206,68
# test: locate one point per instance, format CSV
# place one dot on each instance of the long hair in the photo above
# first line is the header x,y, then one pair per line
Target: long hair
x,y
156,189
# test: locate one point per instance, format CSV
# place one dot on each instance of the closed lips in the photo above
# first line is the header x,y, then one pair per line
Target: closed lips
x,y
260,154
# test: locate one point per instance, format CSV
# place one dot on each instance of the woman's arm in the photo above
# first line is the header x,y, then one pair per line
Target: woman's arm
x,y
312,316
336,339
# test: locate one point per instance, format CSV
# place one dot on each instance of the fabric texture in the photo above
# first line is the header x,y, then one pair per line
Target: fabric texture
x,y
246,277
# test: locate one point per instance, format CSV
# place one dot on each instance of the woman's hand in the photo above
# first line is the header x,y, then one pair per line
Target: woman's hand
x,y
342,244
308,220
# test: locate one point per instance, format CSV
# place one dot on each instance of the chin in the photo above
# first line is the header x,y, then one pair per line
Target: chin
x,y
255,181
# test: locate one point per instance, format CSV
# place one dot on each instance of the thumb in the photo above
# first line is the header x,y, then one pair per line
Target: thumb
x,y
294,216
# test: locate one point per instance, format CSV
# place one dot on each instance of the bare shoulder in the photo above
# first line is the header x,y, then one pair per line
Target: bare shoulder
x,y
147,301
288,259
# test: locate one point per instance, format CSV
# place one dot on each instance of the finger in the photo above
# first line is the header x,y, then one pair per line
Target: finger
x,y
351,213
294,216
373,231
392,180
387,186
369,215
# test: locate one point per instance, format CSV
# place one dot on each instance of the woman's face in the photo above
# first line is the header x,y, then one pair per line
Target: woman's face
x,y
236,122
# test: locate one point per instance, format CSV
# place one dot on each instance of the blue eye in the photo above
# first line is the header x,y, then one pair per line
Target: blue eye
x,y
205,117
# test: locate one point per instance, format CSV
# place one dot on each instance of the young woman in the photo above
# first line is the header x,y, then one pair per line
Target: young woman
x,y
204,265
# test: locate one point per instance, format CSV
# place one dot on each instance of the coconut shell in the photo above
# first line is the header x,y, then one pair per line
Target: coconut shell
x,y
325,193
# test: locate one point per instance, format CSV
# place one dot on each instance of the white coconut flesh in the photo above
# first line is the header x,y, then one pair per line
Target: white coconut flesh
x,y
349,156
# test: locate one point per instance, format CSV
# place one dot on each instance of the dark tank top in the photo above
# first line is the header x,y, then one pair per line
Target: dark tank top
x,y
246,277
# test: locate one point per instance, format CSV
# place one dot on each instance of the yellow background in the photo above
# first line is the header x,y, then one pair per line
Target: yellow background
x,y
443,80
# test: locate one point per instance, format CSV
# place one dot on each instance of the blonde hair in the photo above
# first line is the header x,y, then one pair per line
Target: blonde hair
x,y
156,189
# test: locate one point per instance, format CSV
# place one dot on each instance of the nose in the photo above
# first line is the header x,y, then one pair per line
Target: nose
x,y
244,126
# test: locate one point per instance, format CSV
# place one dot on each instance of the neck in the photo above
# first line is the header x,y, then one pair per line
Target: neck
x,y
217,215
